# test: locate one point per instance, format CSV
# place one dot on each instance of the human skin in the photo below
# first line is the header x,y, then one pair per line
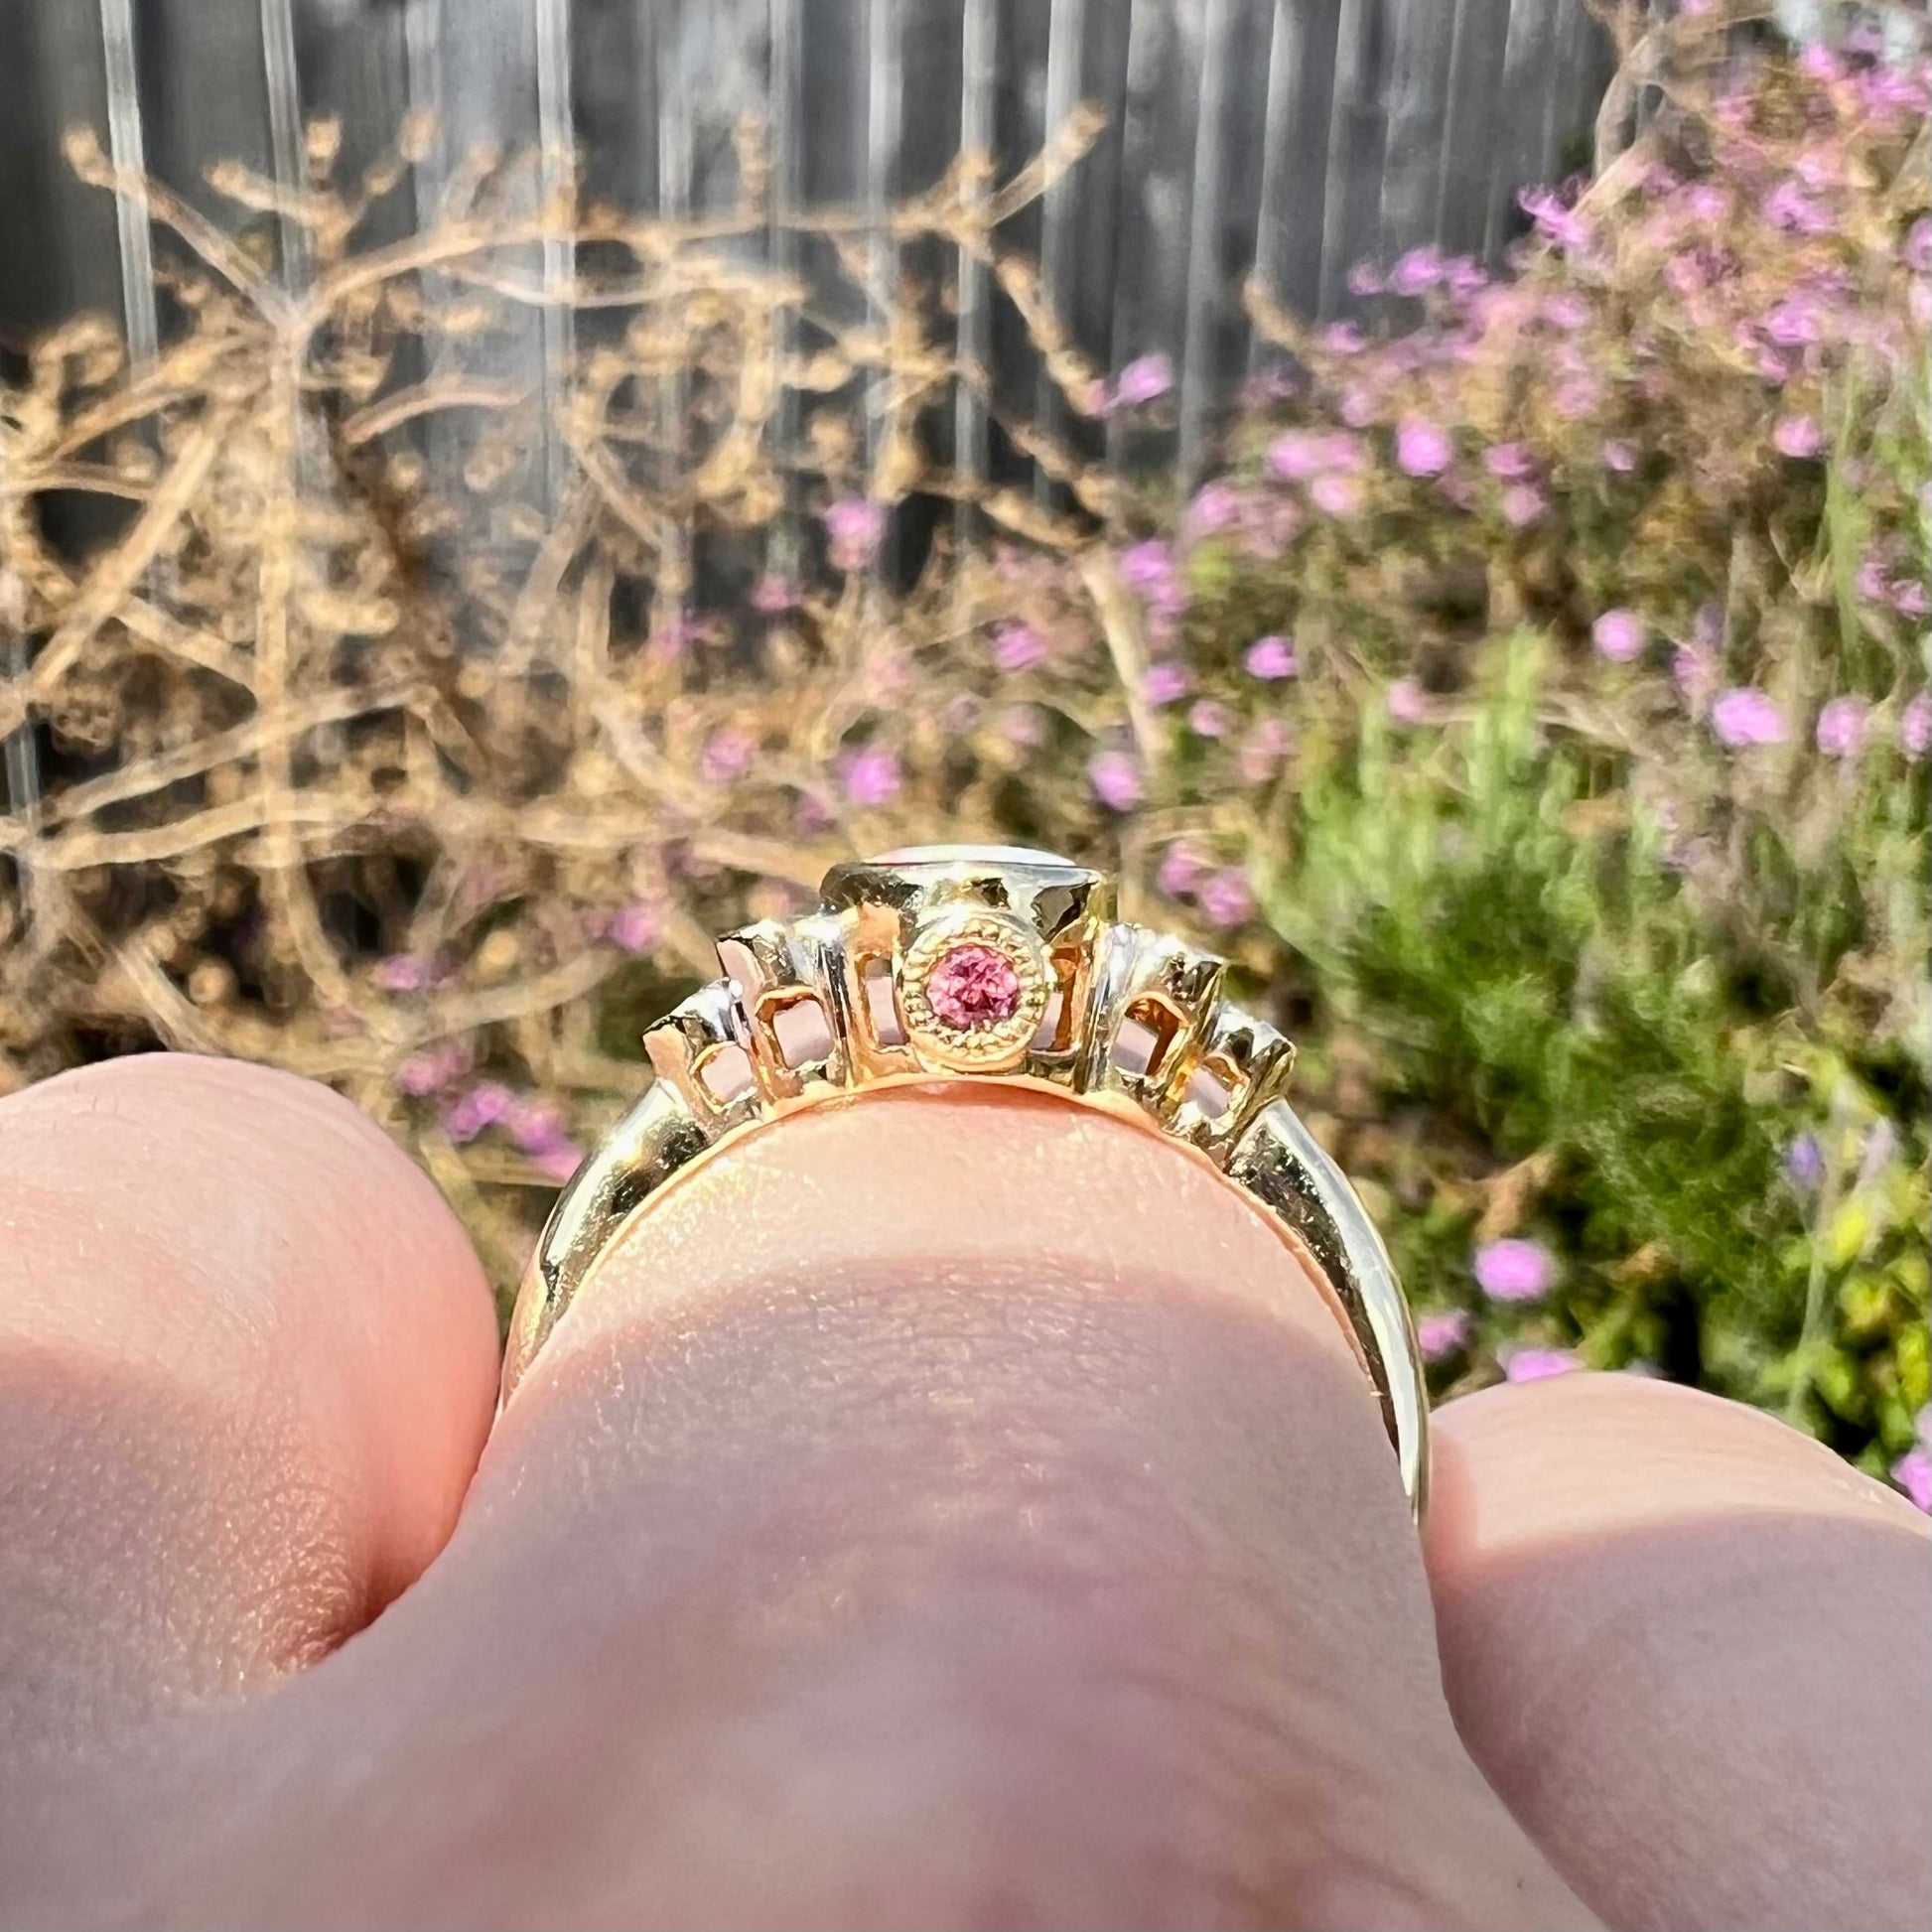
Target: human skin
x,y
951,1509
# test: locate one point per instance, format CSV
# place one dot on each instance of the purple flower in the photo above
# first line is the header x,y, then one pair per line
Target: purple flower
x,y
1364,279
1918,246
1617,634
1226,899
1915,726
1788,207
1842,727
469,1113
1442,1334
1908,598
1804,1163
1344,338
1523,505
1296,457
1913,1474
1360,406
1166,682
1019,647
1337,495
635,928
870,774
1023,727
418,1076
1536,1364
1271,658
1181,869
1566,310
1302,455
534,1125
1705,204
1797,437
1407,704
1561,225
401,972
1421,449
1744,716
1514,1271
1215,507
1209,719
1115,779
1620,456
1415,273
1510,462
1143,380
726,756
1148,568
435,1068
855,525
1793,322
773,594
1575,399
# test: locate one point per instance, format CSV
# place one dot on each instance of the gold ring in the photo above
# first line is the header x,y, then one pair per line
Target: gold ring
x,y
994,963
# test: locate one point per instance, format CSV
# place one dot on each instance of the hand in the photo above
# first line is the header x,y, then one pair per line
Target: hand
x,y
946,1510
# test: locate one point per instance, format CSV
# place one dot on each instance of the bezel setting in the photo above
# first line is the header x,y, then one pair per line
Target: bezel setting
x,y
990,1047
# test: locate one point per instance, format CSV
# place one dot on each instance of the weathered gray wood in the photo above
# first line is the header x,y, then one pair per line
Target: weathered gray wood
x,y
1294,191
978,83
1418,118
1524,139
1160,139
1357,140
1474,113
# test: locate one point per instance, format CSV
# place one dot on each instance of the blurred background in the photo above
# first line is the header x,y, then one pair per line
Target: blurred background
x,y
1436,492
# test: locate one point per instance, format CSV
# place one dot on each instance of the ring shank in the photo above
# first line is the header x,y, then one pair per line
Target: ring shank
x,y
1279,1165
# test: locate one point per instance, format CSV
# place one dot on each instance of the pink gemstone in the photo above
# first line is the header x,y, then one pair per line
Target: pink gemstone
x,y
973,986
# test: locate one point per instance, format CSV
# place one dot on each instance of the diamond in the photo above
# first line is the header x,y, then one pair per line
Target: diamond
x,y
972,987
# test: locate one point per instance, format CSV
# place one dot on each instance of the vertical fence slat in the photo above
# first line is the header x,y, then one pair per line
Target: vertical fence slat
x,y
1202,298
1159,151
785,546
979,54
883,111
282,77
1475,63
1065,46
1357,136
127,147
674,170
556,149
1294,189
1418,114
1522,149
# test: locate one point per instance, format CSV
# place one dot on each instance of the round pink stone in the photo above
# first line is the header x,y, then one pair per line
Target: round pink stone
x,y
973,986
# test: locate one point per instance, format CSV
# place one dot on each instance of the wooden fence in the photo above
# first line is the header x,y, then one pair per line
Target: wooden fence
x,y
1285,139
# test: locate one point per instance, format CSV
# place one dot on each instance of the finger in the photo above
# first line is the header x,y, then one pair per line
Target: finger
x,y
1687,1645
245,1370
940,1510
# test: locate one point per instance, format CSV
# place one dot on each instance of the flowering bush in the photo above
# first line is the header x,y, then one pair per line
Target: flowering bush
x,y
1535,710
